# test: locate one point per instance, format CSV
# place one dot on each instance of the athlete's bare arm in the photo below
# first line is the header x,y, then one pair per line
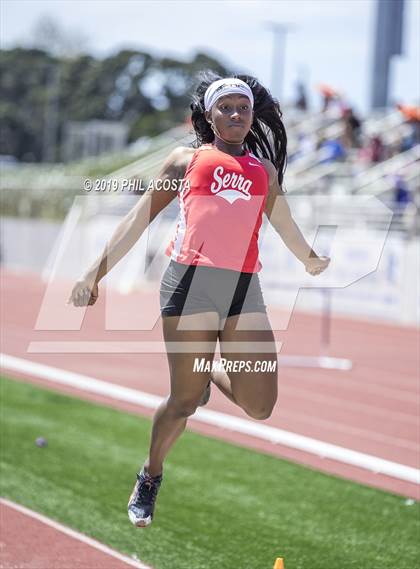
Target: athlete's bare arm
x,y
278,213
131,227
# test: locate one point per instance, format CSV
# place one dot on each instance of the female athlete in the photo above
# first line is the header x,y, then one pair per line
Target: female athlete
x,y
210,290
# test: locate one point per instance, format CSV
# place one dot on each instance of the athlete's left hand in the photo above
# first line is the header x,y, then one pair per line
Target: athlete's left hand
x,y
317,265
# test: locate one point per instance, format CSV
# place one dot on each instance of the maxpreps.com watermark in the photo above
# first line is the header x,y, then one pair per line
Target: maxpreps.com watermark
x,y
134,184
207,366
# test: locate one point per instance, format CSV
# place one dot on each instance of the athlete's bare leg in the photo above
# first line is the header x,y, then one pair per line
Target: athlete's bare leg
x,y
222,381
254,391
187,385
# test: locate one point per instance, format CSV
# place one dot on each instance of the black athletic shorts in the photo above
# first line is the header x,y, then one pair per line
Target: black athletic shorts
x,y
191,289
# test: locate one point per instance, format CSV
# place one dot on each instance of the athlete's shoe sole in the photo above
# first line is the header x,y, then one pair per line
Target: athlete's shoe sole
x,y
139,522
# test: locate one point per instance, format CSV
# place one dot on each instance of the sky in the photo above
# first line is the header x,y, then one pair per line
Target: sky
x,y
329,41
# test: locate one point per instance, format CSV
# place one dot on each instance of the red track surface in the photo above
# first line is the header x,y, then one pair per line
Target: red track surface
x,y
374,408
27,543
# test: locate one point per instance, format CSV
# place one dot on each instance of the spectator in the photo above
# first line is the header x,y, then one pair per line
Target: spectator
x,y
352,128
301,100
401,193
376,149
410,112
412,115
401,202
331,151
328,95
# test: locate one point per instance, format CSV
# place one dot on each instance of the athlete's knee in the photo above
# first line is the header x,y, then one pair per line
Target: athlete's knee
x,y
182,407
260,412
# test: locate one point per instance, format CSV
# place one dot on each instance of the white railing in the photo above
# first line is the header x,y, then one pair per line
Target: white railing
x,y
362,182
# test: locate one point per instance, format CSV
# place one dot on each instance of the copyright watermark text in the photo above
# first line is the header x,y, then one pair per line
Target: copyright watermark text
x,y
133,185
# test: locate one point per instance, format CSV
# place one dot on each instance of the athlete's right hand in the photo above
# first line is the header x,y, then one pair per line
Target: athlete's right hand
x,y
85,292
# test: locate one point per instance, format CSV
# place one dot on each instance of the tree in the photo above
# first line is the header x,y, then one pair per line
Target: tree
x,y
41,92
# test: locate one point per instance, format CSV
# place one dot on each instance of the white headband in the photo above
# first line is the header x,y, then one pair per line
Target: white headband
x,y
229,86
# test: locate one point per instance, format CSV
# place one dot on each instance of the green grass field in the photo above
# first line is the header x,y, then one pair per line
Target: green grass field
x,y
220,506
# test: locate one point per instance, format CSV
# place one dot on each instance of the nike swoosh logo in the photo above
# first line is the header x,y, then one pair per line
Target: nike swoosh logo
x,y
254,164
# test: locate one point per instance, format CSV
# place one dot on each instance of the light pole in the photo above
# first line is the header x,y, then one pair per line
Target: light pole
x,y
278,58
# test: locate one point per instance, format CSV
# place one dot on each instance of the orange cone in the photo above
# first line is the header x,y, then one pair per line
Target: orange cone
x,y
279,563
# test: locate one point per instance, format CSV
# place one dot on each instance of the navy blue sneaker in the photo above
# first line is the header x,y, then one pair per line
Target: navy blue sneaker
x,y
141,504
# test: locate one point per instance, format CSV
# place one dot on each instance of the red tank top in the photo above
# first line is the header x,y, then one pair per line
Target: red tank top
x,y
220,211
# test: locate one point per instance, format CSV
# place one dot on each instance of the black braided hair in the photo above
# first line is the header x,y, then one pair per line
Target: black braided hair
x,y
267,136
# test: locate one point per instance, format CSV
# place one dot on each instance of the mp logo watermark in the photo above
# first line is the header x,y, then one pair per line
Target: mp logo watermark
x,y
89,226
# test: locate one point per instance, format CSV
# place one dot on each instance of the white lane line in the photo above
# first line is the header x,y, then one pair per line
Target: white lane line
x,y
198,347
406,396
74,534
352,406
215,418
367,435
